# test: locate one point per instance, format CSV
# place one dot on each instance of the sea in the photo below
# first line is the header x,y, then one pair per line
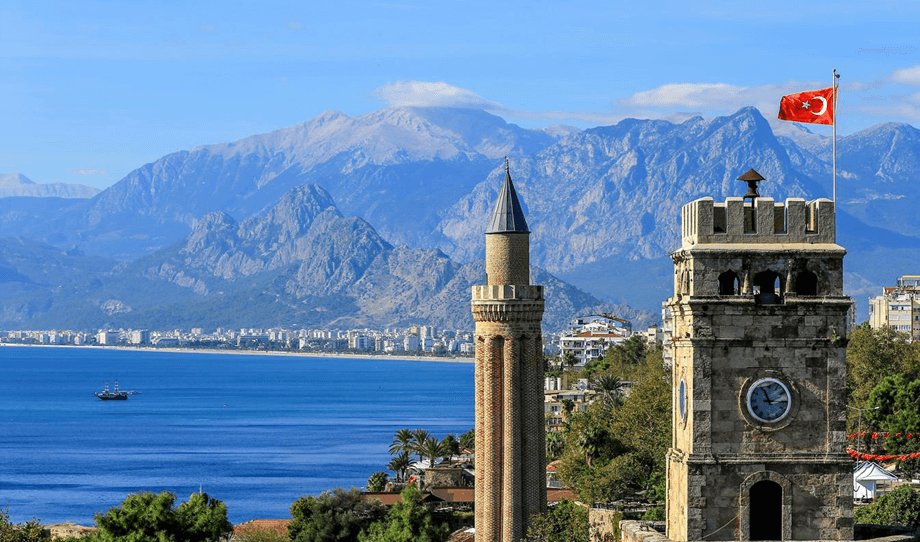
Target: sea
x,y
255,431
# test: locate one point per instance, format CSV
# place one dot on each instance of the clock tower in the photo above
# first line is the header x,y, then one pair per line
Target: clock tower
x,y
758,320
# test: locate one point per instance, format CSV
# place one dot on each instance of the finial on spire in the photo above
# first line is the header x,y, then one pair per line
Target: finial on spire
x,y
507,215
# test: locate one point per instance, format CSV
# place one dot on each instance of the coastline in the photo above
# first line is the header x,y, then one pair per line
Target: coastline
x,y
344,355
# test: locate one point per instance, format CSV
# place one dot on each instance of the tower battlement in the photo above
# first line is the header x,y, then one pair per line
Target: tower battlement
x,y
704,221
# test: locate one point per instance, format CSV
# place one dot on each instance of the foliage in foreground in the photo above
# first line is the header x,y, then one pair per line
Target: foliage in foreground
x,y
900,507
873,354
30,531
149,517
334,516
617,450
565,522
410,520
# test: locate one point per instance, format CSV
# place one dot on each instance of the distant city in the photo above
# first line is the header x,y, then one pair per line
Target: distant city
x,y
586,338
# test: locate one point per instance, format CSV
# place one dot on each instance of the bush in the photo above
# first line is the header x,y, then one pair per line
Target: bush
x,y
900,507
30,531
334,516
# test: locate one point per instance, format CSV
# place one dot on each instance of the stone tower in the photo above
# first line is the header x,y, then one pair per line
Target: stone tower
x,y
759,373
510,453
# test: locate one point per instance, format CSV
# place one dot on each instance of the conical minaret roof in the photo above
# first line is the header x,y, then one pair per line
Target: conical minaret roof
x,y
508,215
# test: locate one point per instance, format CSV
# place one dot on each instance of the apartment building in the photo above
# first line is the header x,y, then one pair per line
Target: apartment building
x,y
898,307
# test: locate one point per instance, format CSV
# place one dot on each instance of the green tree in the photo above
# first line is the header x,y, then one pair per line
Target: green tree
x,y
377,481
149,517
555,445
432,449
565,522
873,354
334,516
419,436
614,452
468,439
900,507
610,388
30,531
569,360
409,520
450,447
402,442
894,407
400,464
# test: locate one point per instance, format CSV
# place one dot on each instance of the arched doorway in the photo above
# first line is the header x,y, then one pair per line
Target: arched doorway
x,y
766,511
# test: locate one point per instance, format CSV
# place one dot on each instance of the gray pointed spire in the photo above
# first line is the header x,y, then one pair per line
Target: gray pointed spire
x,y
508,215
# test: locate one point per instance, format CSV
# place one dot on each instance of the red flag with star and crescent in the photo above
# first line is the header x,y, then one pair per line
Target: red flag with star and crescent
x,y
814,106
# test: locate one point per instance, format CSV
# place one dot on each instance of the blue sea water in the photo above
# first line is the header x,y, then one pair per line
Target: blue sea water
x,y
256,431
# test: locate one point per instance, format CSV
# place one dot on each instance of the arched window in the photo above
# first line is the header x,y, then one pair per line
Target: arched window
x,y
806,283
768,287
766,517
729,283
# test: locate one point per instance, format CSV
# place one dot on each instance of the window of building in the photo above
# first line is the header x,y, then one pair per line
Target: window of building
x,y
806,283
729,283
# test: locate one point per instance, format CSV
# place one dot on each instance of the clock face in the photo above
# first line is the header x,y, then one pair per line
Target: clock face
x,y
682,399
768,400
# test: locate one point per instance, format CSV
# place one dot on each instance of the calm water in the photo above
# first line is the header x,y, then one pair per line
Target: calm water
x,y
254,431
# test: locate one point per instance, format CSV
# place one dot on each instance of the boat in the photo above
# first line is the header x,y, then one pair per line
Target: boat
x,y
116,395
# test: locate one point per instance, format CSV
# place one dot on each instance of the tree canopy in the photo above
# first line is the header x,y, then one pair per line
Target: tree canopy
x,y
873,354
615,450
150,517
334,516
900,507
30,531
565,522
409,520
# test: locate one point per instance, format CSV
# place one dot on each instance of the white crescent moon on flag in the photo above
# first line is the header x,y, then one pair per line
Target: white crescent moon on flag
x,y
823,104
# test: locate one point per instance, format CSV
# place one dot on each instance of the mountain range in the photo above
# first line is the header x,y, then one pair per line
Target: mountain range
x,y
378,219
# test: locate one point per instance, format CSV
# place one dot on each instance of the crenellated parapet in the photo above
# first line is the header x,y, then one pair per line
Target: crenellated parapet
x,y
766,222
507,303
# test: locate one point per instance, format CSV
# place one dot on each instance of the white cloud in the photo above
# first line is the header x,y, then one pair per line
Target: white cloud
x,y
296,25
710,98
907,76
87,172
432,94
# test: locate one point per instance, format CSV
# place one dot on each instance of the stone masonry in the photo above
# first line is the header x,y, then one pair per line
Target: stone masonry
x,y
510,452
758,301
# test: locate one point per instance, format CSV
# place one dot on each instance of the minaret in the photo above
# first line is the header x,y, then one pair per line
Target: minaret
x,y
510,452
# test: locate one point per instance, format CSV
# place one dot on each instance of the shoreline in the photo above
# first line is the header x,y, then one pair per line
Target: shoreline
x,y
175,350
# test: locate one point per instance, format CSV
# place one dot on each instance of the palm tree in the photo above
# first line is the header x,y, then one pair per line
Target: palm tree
x,y
555,445
468,439
419,436
402,442
432,449
450,447
400,464
610,388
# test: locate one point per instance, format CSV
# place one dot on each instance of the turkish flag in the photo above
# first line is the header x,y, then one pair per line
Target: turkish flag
x,y
814,106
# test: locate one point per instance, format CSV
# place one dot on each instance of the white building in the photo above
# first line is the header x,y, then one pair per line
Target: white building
x,y
589,337
898,307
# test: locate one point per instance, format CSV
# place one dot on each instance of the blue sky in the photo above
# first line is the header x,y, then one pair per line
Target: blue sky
x,y
90,90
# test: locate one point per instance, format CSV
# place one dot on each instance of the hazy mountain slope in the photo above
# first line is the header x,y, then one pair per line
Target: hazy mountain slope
x,y
413,161
300,263
617,191
15,184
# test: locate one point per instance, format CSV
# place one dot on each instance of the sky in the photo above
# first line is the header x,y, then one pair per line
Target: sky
x,y
90,90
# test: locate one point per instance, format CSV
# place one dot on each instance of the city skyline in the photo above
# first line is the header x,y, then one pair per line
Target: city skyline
x,y
93,90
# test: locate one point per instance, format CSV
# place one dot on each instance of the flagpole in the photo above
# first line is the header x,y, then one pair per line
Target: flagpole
x,y
834,85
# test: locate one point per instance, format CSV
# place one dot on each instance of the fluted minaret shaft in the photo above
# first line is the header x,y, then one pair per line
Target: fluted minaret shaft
x,y
510,449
